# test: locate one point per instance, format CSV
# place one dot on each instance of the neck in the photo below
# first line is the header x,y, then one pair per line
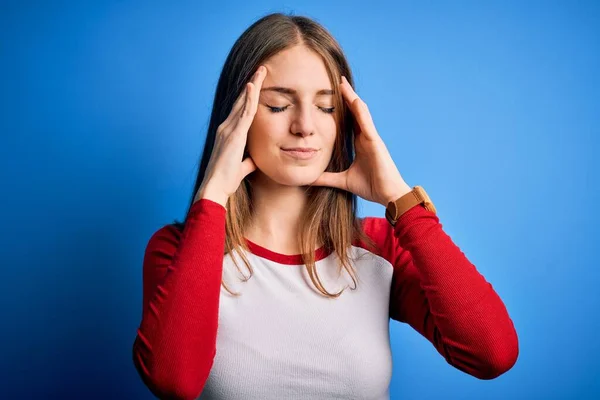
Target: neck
x,y
277,213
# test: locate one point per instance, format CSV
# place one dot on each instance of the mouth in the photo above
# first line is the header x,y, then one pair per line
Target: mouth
x,y
300,153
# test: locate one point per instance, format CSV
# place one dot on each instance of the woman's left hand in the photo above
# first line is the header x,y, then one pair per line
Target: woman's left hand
x,y
373,174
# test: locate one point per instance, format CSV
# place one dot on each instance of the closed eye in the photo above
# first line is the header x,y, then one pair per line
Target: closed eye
x,y
281,109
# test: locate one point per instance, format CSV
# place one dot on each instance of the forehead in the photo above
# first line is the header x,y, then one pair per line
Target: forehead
x,y
298,68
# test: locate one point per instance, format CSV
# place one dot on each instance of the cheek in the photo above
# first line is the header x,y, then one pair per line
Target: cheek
x,y
266,129
260,142
260,123
331,136
256,132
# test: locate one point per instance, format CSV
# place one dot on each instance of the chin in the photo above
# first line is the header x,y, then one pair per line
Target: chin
x,y
295,176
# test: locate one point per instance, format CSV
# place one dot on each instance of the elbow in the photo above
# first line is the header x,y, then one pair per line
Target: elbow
x,y
177,393
171,390
166,386
500,360
489,361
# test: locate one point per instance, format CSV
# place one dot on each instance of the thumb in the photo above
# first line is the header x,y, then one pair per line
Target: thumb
x,y
333,179
248,167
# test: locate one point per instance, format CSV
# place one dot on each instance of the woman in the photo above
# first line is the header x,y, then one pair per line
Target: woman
x,y
289,148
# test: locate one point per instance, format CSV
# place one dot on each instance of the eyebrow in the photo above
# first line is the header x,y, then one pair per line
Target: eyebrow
x,y
284,90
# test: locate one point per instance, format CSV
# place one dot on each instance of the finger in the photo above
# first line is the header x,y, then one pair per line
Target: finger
x,y
235,110
359,109
240,125
245,120
248,103
348,93
333,179
239,104
248,167
258,77
241,98
258,80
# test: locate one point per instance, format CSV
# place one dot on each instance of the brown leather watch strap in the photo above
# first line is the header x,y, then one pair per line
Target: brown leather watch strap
x,y
398,207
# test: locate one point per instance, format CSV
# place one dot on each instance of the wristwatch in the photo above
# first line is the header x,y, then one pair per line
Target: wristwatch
x,y
396,208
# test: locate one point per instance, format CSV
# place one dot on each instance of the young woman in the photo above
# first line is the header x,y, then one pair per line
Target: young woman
x,y
289,148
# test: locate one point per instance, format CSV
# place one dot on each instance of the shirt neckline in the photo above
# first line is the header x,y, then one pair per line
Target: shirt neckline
x,y
287,259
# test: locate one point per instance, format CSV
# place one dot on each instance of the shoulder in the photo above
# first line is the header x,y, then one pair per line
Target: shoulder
x,y
164,241
159,254
377,228
379,231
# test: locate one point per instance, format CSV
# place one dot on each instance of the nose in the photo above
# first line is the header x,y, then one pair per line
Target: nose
x,y
303,123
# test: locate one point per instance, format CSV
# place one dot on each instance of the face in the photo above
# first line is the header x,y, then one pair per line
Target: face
x,y
298,116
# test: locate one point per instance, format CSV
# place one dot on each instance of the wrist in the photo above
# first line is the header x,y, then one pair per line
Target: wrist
x,y
400,191
213,195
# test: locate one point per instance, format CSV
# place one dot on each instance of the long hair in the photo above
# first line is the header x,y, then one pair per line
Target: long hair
x,y
330,215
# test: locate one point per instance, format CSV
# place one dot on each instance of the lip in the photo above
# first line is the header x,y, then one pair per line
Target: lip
x,y
299,148
301,153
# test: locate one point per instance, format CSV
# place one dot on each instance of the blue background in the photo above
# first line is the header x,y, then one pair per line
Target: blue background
x,y
493,107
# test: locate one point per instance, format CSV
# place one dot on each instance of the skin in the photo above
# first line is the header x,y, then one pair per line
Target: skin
x,y
279,182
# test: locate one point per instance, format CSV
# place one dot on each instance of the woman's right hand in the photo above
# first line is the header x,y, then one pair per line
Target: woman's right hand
x,y
226,169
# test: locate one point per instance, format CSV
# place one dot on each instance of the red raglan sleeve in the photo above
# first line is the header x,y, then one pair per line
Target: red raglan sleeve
x,y
440,293
175,344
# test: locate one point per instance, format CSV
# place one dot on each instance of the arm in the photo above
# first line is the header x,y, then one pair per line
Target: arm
x,y
440,293
175,344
